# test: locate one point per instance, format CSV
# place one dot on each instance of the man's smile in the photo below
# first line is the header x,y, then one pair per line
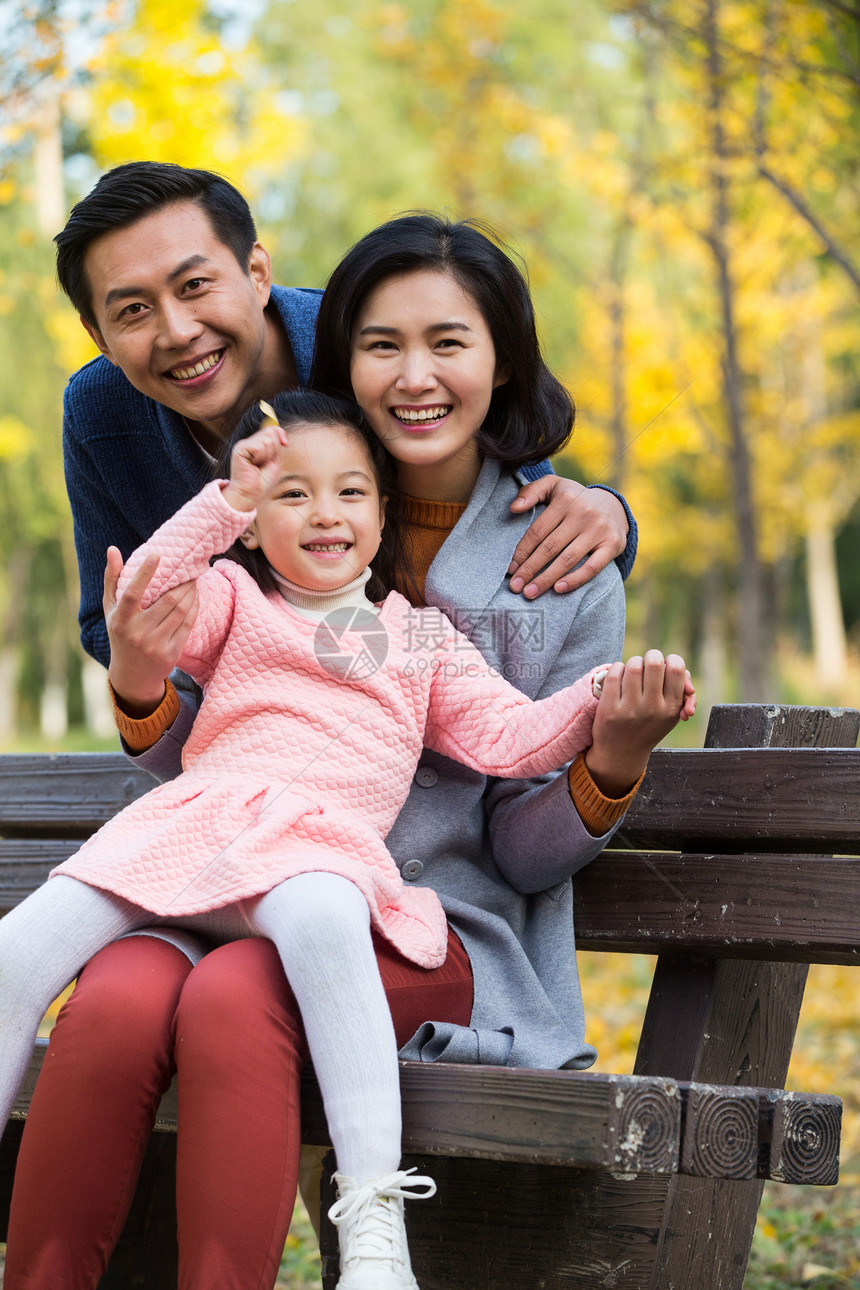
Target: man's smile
x,y
197,368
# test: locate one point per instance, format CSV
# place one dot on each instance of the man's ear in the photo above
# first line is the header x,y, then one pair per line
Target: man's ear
x,y
260,271
249,538
98,339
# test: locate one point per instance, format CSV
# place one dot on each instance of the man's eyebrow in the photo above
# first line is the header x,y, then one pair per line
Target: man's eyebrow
x,y
193,262
377,329
123,293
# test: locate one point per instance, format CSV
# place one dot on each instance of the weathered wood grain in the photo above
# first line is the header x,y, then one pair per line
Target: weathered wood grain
x,y
777,907
748,800
612,1122
720,1133
68,794
799,1137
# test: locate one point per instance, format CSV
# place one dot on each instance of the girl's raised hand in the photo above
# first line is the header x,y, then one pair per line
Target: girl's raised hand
x,y
642,701
254,467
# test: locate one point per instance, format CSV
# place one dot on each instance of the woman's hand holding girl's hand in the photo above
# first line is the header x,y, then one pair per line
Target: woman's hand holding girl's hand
x,y
254,467
642,701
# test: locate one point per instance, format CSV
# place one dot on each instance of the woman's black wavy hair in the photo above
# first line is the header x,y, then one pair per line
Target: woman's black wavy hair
x,y
530,416
391,566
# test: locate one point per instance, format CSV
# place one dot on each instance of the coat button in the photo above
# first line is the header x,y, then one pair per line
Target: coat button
x,y
426,776
412,869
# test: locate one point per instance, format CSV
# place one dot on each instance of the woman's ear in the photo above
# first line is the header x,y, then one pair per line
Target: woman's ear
x,y
249,538
502,375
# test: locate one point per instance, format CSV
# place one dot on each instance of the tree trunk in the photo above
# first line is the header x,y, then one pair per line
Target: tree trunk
x,y
49,190
712,652
753,653
619,426
825,605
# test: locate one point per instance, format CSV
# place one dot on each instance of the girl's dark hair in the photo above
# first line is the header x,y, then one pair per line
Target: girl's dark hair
x,y
531,415
391,566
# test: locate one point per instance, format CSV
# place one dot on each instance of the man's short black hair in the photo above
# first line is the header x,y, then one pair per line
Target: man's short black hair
x,y
128,193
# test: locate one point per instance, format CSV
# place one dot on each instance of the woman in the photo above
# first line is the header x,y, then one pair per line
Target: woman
x,y
405,306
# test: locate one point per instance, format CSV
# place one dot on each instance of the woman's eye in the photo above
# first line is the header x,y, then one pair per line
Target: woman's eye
x,y
450,342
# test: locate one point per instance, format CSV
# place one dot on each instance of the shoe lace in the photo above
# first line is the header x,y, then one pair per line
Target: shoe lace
x,y
375,1225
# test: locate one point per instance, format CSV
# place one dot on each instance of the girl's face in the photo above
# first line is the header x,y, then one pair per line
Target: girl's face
x,y
423,369
321,522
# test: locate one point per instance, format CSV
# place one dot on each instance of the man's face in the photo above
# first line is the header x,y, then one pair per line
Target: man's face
x,y
178,314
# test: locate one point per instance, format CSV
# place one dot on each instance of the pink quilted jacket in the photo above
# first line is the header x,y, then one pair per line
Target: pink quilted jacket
x,y
291,768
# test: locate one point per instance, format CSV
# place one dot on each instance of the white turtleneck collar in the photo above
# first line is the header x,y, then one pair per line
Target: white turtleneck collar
x,y
319,604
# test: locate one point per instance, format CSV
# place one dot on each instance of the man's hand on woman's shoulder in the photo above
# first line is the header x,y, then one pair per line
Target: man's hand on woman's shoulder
x,y
578,522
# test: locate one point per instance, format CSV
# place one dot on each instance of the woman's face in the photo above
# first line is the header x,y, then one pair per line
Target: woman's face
x,y
423,369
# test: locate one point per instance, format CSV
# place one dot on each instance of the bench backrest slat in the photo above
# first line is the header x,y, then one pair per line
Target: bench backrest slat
x,y
781,799
804,799
778,907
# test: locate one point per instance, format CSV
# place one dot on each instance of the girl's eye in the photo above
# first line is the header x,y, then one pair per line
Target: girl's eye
x,y
352,492
294,494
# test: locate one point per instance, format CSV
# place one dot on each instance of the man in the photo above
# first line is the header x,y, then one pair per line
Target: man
x,y
165,270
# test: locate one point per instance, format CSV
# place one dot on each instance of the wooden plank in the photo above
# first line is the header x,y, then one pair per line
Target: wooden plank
x,y
548,1117
786,908
795,1135
67,794
799,1136
720,1131
25,864
752,800
738,1132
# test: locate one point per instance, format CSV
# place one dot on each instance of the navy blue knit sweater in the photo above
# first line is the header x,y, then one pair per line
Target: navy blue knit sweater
x,y
130,463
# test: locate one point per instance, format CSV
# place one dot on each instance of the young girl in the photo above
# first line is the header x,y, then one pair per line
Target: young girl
x,y
317,704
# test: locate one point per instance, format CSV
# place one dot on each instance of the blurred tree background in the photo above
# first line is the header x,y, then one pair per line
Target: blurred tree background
x,y
681,177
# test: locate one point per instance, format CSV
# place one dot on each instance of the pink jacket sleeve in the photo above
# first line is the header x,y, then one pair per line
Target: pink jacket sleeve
x,y
203,527
476,717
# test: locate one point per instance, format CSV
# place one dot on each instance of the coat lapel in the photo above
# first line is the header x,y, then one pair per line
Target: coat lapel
x,y
473,561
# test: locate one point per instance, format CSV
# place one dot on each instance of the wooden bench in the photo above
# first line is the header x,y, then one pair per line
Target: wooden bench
x,y
737,866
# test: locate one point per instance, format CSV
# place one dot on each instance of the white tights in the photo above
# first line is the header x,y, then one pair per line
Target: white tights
x,y
320,925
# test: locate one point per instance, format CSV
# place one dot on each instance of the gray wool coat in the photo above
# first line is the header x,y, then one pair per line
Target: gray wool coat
x,y
500,853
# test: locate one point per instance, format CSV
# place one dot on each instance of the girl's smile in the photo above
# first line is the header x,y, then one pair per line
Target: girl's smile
x,y
424,369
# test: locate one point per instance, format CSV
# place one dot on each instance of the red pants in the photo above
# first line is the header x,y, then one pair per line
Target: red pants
x,y
232,1030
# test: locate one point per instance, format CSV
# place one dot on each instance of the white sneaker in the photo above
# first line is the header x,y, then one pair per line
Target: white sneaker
x,y
371,1231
